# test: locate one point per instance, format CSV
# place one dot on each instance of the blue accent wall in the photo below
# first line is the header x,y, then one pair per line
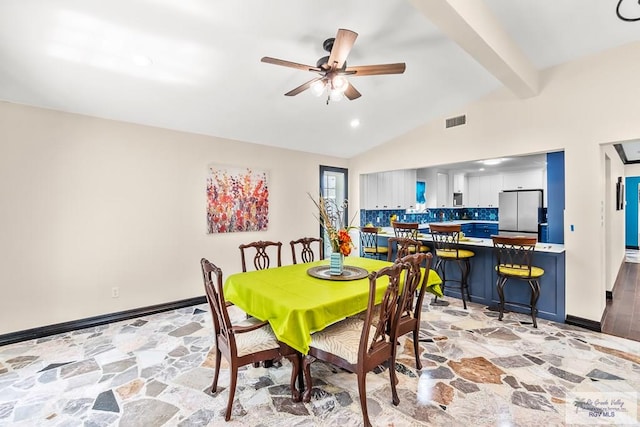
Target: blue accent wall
x,y
555,197
631,211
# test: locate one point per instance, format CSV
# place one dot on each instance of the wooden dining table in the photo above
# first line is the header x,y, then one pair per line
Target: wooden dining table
x,y
297,304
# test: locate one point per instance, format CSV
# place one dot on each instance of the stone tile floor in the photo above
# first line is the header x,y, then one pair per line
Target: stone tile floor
x,y
477,371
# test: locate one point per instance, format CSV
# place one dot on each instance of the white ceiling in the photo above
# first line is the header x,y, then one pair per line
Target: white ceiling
x,y
206,76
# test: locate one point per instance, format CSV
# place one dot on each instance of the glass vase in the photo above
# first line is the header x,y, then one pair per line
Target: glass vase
x,y
336,263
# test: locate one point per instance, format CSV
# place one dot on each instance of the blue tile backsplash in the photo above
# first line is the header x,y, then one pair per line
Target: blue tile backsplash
x,y
381,218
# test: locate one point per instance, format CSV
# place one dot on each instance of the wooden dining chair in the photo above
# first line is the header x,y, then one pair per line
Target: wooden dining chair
x,y
248,342
408,230
369,243
401,247
261,259
359,346
307,253
414,284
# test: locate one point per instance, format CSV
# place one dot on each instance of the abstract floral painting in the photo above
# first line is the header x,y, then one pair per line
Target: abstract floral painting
x,y
237,199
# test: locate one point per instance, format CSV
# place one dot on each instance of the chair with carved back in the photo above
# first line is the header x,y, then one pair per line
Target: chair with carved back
x,y
446,239
414,284
250,341
369,243
401,246
359,346
262,258
514,257
409,230
307,253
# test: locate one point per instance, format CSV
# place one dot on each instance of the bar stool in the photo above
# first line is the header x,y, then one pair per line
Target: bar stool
x,y
369,243
514,255
409,230
446,239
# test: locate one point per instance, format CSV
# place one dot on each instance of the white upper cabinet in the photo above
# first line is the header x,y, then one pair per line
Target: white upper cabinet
x,y
408,189
490,187
388,190
483,190
369,191
524,180
385,190
472,198
443,196
459,183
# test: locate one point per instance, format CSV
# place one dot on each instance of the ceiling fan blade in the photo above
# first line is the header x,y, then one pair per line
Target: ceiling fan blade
x,y
372,70
351,92
341,47
290,64
302,87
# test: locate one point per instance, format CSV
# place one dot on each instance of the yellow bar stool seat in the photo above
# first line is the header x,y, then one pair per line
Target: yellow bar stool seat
x,y
369,243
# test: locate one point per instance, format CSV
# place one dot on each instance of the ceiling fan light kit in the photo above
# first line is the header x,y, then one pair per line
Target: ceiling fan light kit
x,y
333,69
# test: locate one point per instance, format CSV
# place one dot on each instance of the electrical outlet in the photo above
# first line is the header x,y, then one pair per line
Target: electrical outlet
x,y
115,292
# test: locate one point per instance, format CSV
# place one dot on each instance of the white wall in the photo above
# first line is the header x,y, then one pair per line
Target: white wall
x,y
632,169
581,105
614,220
88,204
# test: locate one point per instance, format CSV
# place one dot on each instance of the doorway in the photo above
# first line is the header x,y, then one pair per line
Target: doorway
x,y
334,184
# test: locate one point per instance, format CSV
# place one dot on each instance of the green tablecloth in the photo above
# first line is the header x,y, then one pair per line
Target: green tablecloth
x,y
296,304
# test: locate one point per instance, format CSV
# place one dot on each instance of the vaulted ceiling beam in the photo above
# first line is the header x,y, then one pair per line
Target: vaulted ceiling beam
x,y
474,28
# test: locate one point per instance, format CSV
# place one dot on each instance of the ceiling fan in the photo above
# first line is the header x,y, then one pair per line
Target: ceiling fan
x,y
333,69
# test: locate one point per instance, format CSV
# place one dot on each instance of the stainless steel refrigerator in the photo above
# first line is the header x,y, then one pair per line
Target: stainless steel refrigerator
x,y
520,212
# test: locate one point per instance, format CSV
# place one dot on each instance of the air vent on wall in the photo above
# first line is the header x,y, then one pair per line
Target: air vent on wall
x,y
456,121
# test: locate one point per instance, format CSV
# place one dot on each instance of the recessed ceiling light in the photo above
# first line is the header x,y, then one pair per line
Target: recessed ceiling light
x,y
355,123
481,169
491,162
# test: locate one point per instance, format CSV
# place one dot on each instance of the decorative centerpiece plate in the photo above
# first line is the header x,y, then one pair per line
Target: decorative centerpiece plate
x,y
349,272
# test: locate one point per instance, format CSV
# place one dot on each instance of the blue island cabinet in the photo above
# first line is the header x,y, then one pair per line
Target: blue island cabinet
x,y
483,277
483,230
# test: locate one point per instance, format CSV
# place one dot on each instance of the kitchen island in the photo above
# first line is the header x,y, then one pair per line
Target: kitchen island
x,y
483,277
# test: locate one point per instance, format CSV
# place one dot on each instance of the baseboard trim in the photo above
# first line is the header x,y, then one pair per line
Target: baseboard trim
x,y
89,322
592,325
632,247
609,294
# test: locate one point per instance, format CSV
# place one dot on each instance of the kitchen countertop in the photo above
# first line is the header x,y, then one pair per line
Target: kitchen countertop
x,y
476,241
424,225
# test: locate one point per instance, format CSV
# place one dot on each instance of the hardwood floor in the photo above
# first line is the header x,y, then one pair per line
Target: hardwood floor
x,y
622,316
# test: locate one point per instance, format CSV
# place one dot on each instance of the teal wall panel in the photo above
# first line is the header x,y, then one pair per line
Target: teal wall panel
x,y
631,211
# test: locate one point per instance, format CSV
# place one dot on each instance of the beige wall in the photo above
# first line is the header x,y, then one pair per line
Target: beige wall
x,y
581,105
88,204
614,220
632,170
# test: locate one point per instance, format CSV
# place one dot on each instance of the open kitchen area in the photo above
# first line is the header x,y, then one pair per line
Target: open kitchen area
x,y
469,193
517,196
